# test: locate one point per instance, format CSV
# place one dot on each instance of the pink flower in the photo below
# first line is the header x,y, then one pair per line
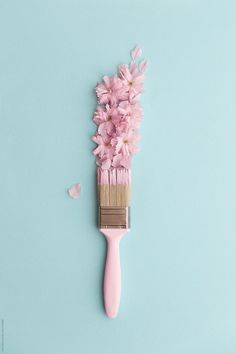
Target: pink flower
x,y
132,112
104,147
106,118
111,90
132,79
118,115
104,162
104,114
126,143
100,115
121,161
121,124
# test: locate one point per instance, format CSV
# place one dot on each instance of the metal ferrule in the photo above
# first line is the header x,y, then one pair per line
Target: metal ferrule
x,y
114,217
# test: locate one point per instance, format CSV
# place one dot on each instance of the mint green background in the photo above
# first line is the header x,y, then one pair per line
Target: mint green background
x,y
178,262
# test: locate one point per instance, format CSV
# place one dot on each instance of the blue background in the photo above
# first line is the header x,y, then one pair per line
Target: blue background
x,y
178,262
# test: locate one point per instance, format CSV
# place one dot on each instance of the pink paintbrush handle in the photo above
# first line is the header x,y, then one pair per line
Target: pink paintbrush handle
x,y
112,276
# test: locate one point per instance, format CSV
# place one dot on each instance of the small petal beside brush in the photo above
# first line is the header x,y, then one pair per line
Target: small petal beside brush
x,y
117,117
74,191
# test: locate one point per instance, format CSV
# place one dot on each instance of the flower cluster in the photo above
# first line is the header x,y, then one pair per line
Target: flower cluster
x,y
118,114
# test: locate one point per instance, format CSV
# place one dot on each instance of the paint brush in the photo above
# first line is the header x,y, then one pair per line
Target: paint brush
x,y
118,117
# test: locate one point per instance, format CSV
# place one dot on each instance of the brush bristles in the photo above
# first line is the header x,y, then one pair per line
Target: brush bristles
x,y
114,187
111,196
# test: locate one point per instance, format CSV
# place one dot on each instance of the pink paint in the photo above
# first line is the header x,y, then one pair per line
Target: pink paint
x,y
114,176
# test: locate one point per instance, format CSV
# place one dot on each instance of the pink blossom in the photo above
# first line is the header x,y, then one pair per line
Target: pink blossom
x,y
104,162
111,90
100,115
104,146
121,161
118,115
103,119
122,127
126,143
104,114
133,80
132,112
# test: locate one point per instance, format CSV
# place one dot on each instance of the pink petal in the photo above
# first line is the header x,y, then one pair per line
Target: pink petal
x,y
133,68
135,53
98,150
106,79
74,191
116,160
95,139
106,164
143,65
126,162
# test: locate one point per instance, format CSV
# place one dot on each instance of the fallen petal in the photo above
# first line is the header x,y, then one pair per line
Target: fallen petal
x,y
74,191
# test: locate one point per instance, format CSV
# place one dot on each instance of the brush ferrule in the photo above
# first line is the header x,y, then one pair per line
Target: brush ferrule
x,y
114,217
